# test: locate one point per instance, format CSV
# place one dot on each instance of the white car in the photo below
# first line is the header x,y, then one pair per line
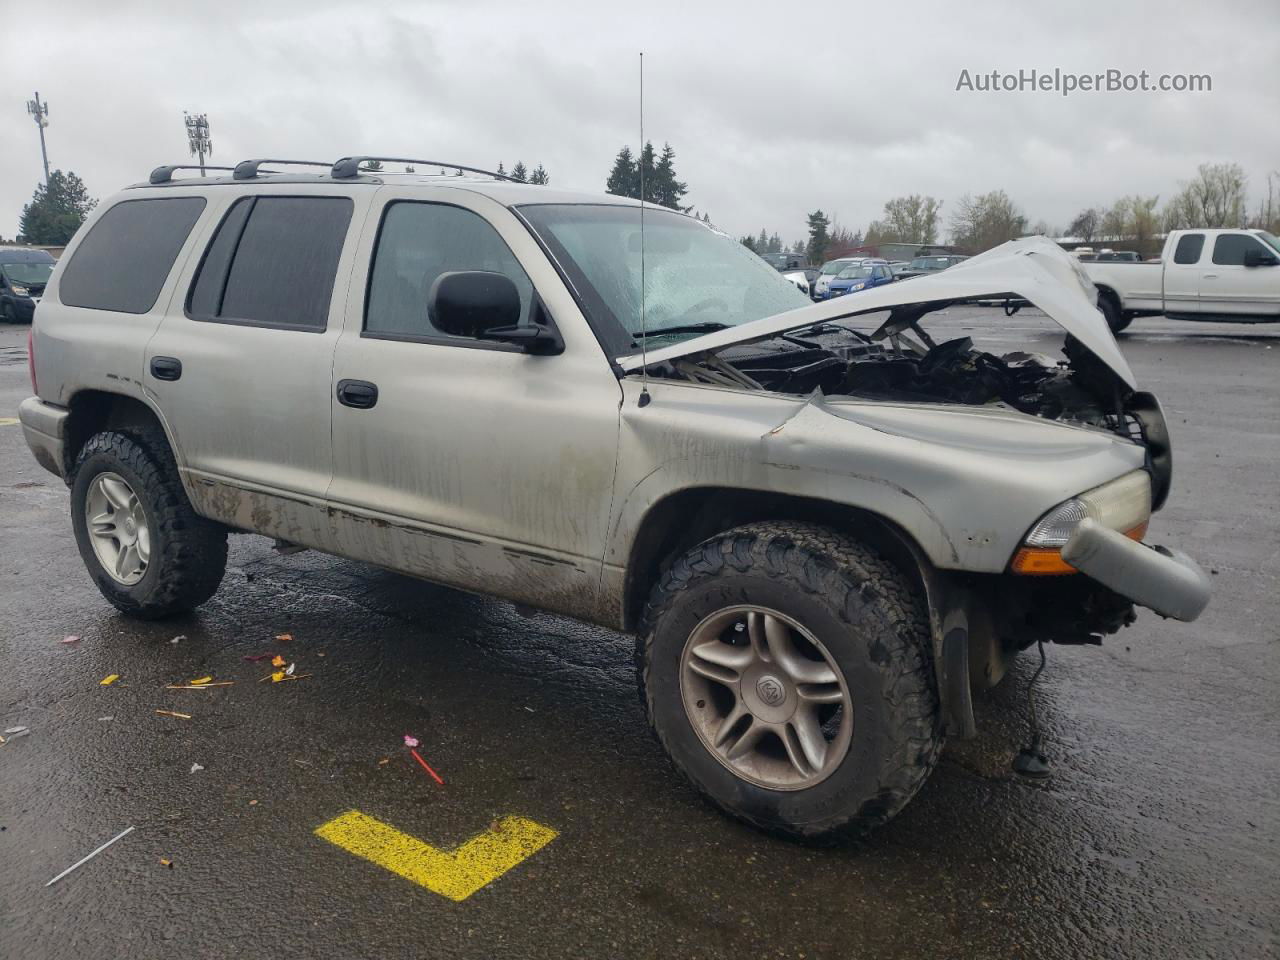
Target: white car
x,y
1224,275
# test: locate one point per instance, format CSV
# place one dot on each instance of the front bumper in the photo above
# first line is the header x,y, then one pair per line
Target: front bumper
x,y
1166,581
45,427
24,308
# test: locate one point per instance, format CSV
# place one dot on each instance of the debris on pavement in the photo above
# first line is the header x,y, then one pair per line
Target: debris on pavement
x,y
106,718
434,776
410,741
70,639
166,863
201,681
198,686
81,862
181,636
196,768
384,761
261,656
277,661
288,671
173,713
16,731
109,679
284,637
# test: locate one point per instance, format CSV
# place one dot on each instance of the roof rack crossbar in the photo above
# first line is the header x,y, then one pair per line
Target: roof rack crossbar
x,y
248,169
165,174
349,167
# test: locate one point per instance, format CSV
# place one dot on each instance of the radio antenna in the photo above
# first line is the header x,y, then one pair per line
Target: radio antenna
x,y
644,331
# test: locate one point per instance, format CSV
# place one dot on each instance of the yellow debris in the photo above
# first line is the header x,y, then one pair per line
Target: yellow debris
x,y
109,680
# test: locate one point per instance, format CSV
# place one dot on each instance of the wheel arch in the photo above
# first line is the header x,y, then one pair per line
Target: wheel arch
x,y
93,411
686,517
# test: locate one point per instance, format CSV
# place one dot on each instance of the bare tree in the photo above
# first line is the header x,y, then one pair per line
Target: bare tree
x,y
1214,198
1268,216
910,219
1086,224
985,221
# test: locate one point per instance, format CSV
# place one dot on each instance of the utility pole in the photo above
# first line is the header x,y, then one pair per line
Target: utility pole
x,y
40,113
198,136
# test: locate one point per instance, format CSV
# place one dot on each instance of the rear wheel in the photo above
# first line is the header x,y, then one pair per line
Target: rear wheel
x,y
147,550
786,670
1116,318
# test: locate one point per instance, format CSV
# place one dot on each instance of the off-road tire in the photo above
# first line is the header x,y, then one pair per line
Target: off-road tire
x,y
872,622
188,552
1116,318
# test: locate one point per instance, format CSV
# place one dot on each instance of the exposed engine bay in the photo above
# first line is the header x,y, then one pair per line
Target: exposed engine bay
x,y
900,362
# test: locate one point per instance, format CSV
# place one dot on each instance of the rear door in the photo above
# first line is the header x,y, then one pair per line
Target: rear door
x,y
1182,275
1229,288
240,366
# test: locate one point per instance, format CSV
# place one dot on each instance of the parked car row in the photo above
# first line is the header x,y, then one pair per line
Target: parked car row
x,y
23,275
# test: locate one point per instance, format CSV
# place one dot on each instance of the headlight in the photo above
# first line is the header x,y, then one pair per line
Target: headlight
x,y
858,286
1123,505
21,291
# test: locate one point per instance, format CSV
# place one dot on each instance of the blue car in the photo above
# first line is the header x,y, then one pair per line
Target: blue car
x,y
861,276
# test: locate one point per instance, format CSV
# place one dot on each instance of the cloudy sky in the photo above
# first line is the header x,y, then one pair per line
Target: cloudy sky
x,y
774,109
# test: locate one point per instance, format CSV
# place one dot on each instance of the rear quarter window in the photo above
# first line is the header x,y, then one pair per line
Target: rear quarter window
x,y
1189,247
124,260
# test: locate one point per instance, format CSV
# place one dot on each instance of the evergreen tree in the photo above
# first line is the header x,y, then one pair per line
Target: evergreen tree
x,y
749,242
539,175
762,242
818,238
669,191
519,172
501,169
373,166
56,211
775,244
622,178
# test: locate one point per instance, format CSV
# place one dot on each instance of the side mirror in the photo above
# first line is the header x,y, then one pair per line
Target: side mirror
x,y
482,305
1259,258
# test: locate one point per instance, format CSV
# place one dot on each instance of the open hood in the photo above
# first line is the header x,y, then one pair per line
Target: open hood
x,y
1034,269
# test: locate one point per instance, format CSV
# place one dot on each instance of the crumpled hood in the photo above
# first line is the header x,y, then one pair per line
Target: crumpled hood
x,y
1034,269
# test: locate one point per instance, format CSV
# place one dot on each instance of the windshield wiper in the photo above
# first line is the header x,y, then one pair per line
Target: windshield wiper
x,y
708,327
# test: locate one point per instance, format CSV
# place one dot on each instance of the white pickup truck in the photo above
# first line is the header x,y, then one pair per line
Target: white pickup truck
x,y
1224,275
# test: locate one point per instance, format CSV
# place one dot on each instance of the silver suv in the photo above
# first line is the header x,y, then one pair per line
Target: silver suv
x,y
825,527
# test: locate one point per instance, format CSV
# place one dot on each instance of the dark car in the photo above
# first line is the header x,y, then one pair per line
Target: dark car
x,y
921,266
23,274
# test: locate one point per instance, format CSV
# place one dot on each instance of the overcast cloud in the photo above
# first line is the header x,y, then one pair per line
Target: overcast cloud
x,y
773,109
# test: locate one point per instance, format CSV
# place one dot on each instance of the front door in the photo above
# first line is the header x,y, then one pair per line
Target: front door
x,y
1228,287
467,462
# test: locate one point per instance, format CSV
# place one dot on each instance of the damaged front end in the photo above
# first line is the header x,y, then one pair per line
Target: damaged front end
x,y
966,433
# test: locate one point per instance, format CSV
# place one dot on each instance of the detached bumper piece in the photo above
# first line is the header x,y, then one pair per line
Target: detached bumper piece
x,y
1166,581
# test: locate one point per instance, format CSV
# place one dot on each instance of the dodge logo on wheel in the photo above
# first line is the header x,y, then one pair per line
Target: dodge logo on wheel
x,y
770,691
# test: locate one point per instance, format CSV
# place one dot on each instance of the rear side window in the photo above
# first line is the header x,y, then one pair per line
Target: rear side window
x,y
1229,249
272,262
1189,247
124,260
417,243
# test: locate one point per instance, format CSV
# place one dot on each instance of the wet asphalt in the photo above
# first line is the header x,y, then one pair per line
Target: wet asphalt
x,y
1159,835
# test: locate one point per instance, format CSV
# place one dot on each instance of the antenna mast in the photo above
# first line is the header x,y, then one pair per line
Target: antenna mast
x,y
644,331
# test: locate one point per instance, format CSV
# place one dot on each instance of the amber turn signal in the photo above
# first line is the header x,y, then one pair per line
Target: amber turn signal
x,y
1048,562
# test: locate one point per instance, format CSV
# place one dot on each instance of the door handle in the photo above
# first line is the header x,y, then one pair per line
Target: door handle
x,y
1210,276
360,394
166,368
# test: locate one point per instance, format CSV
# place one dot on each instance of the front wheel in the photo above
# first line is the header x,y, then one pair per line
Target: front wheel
x,y
147,550
786,670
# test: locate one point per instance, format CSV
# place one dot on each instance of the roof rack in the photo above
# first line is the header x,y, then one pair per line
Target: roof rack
x,y
165,174
349,167
248,169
